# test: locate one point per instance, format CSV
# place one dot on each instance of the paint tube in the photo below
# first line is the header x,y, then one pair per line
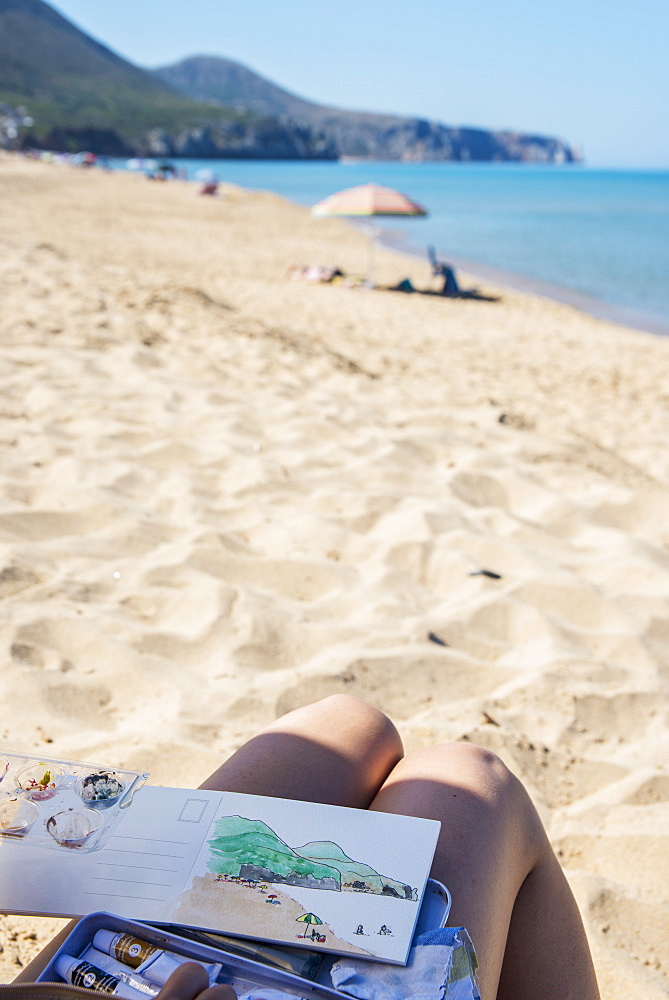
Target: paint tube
x,y
78,972
147,959
126,948
160,967
121,971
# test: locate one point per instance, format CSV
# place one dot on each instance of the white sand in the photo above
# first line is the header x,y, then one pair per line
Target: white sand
x,y
224,494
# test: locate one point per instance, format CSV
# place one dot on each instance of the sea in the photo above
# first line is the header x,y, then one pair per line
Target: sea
x,y
595,238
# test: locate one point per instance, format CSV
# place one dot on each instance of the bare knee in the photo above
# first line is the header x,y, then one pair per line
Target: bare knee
x,y
338,750
350,707
348,722
467,770
481,769
354,714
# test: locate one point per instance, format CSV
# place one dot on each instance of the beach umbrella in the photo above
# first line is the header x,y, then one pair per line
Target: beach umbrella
x,y
309,918
366,201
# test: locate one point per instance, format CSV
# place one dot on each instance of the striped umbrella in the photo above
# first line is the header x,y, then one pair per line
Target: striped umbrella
x,y
368,200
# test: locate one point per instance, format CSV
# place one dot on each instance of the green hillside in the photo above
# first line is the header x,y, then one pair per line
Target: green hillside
x,y
71,84
324,849
354,873
211,78
239,841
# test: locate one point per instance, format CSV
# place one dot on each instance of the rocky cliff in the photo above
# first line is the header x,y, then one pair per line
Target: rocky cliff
x,y
224,83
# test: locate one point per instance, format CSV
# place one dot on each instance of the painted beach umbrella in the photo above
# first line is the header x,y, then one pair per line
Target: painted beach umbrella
x,y
309,918
367,201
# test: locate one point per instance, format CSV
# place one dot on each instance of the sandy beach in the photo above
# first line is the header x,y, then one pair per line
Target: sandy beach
x,y
225,493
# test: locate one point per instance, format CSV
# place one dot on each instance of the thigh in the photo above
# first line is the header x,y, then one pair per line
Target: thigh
x,y
507,886
484,850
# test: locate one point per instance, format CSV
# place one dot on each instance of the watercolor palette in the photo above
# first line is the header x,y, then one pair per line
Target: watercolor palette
x,y
66,805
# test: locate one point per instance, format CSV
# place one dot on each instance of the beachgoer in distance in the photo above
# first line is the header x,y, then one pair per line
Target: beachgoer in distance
x,y
441,269
493,853
451,287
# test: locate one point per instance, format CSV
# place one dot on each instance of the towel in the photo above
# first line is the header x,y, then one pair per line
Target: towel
x,y
442,966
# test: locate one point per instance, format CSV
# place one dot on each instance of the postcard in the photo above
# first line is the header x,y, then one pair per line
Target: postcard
x,y
347,881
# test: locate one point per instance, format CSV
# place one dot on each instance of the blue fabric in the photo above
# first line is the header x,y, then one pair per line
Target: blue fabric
x,y
442,966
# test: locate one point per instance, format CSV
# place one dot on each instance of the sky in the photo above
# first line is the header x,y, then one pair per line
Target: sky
x,y
592,72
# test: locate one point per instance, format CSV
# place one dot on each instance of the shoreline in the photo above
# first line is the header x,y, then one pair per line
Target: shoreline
x,y
624,316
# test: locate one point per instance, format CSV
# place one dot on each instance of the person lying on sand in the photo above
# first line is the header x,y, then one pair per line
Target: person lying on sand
x,y
493,853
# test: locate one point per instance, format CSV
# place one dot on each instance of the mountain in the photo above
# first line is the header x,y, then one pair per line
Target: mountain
x,y
354,133
73,87
249,849
60,89
80,94
228,83
242,846
355,875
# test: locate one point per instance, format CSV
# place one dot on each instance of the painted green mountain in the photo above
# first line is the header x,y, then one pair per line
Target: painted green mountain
x,y
354,874
249,849
242,844
323,849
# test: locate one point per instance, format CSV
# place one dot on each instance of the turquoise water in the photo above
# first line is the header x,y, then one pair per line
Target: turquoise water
x,y
599,238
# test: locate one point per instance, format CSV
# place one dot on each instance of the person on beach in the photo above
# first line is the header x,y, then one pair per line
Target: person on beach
x,y
441,269
493,853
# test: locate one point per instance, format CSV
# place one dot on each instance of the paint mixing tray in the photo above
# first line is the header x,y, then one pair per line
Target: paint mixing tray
x,y
62,804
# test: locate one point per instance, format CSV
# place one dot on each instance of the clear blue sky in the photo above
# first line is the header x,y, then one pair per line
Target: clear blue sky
x,y
594,72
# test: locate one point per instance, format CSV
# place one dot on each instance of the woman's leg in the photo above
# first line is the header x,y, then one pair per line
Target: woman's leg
x,y
507,886
338,750
493,854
